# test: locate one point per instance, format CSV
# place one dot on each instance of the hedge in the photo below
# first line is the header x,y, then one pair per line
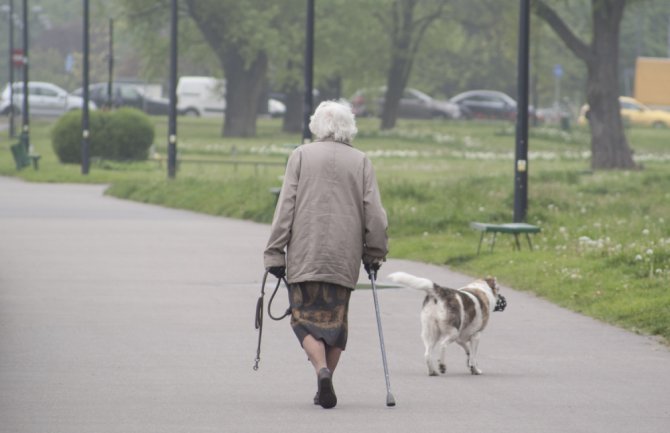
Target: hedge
x,y
125,134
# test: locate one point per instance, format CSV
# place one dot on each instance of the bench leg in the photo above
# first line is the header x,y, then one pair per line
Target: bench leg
x,y
516,241
481,238
493,242
529,244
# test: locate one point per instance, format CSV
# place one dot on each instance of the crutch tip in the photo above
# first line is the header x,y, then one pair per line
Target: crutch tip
x,y
390,401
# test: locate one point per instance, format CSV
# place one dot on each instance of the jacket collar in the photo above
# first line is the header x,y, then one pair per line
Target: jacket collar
x,y
330,140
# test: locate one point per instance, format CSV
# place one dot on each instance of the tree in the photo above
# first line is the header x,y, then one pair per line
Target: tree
x,y
405,35
609,146
239,35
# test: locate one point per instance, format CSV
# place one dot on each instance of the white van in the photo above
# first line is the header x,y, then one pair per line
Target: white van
x,y
201,96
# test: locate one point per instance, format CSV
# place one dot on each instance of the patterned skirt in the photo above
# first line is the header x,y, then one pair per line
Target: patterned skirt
x,y
320,310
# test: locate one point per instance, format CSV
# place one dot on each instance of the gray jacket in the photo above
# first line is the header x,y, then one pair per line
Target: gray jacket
x,y
329,215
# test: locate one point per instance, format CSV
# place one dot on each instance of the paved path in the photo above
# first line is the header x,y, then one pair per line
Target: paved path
x,y
127,318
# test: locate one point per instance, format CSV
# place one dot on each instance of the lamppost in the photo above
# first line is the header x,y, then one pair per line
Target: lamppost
x,y
521,154
9,10
85,128
110,63
25,129
309,72
172,122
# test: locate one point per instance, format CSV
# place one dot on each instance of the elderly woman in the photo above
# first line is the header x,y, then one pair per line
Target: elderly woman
x,y
328,218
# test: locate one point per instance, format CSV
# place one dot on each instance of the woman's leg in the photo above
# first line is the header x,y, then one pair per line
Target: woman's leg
x,y
316,352
333,357
320,355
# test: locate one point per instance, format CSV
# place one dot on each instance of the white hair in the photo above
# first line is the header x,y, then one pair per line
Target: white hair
x,y
333,120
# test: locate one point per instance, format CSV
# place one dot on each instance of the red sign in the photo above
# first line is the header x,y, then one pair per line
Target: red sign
x,y
17,58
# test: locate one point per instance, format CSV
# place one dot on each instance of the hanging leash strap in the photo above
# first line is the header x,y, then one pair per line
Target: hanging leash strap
x,y
258,322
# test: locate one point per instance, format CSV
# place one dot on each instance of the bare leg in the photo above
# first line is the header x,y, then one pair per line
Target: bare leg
x,y
322,358
316,352
333,357
320,355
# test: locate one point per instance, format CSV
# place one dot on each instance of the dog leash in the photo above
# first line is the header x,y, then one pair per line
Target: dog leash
x,y
258,322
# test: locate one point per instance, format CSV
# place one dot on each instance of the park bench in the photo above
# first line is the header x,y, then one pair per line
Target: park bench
x,y
23,158
512,228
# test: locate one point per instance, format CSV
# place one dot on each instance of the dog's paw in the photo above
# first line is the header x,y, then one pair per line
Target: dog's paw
x,y
432,373
443,368
475,371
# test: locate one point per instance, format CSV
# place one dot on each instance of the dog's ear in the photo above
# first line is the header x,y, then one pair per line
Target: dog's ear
x,y
493,284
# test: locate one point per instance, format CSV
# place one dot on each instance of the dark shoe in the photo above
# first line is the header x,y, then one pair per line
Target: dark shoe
x,y
316,398
326,393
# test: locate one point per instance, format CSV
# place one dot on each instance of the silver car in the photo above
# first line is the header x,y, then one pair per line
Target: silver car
x,y
46,99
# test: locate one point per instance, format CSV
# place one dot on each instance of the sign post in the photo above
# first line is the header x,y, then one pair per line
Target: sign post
x,y
558,73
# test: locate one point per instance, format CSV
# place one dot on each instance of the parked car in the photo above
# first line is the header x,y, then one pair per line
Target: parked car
x,y
45,99
126,95
413,104
201,96
276,108
487,104
634,113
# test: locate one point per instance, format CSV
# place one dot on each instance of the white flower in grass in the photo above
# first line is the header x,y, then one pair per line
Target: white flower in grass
x,y
482,208
649,252
638,258
645,232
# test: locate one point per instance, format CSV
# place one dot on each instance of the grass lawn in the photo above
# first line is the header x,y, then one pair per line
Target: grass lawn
x,y
604,249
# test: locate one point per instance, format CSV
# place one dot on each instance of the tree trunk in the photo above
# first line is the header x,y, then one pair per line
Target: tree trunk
x,y
243,90
406,36
245,80
401,61
395,86
609,146
293,116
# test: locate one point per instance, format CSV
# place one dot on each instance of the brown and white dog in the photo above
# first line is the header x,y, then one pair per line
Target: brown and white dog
x,y
450,315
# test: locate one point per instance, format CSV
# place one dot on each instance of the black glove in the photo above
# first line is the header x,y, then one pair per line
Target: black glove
x,y
277,271
373,266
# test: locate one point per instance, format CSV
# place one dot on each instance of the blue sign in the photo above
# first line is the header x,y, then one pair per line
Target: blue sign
x,y
558,71
69,62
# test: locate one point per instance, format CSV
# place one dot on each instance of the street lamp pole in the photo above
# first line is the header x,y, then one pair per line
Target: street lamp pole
x,y
521,154
85,127
172,122
110,63
25,131
12,129
309,72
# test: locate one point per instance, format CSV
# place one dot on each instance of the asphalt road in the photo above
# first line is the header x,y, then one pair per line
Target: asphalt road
x,y
122,317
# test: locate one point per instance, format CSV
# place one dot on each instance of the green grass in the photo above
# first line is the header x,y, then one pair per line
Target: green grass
x,y
604,249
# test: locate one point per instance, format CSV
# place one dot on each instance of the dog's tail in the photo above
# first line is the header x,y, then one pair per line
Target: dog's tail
x,y
413,282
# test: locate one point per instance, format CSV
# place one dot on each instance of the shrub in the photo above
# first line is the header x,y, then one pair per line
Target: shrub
x,y
66,136
129,134
124,134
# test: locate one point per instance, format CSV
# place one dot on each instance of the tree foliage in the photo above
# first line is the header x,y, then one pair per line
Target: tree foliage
x,y
471,45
